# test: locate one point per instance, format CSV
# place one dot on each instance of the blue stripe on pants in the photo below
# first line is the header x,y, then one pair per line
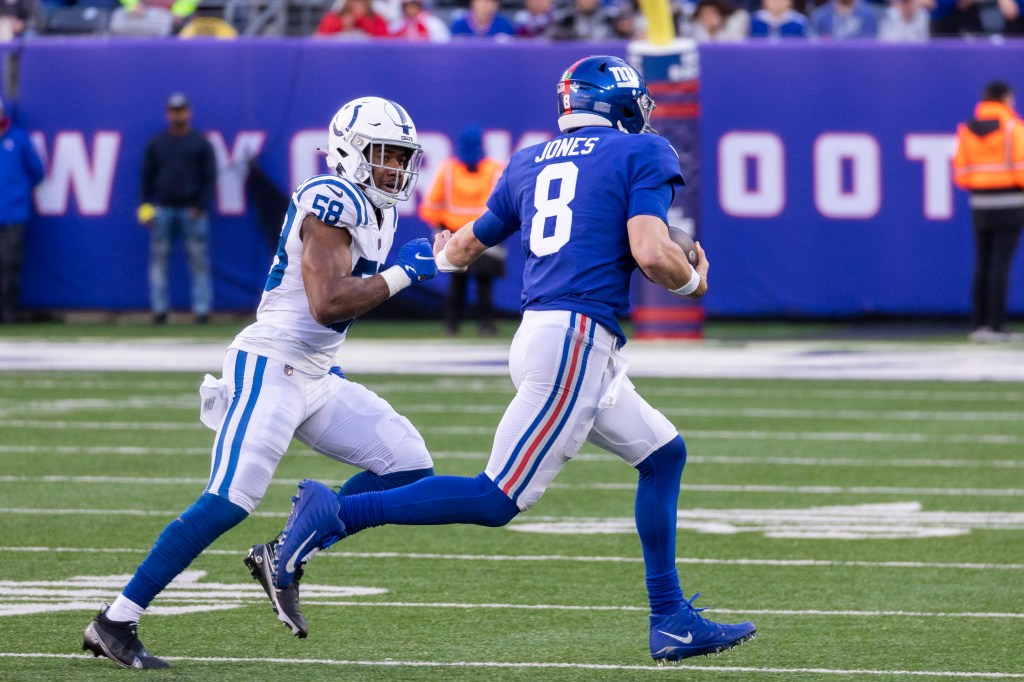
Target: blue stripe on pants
x,y
243,423
240,359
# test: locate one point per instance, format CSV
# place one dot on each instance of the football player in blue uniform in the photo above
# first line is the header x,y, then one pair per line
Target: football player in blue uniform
x,y
589,206
279,380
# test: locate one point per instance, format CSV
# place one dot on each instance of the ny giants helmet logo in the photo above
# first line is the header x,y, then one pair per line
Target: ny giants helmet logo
x,y
625,76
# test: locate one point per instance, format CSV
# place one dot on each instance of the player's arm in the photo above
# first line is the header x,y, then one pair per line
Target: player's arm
x,y
333,292
454,252
663,261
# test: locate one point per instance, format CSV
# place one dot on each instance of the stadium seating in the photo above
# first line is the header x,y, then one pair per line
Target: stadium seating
x,y
78,20
152,21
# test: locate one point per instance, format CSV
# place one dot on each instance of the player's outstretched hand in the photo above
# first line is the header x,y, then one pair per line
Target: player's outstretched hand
x,y
441,239
416,258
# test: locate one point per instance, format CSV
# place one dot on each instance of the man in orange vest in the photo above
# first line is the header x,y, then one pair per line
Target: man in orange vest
x,y
458,196
989,163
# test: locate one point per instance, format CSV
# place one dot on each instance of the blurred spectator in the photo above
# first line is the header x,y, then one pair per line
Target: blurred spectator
x,y
989,163
483,20
20,171
945,20
179,176
389,10
532,21
151,17
778,19
627,21
20,19
459,195
719,21
905,21
354,18
416,23
584,20
844,19
986,17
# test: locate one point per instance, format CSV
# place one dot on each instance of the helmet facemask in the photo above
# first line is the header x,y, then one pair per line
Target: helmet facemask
x,y
646,105
399,181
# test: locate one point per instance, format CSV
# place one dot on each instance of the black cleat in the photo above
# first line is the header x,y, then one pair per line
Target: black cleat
x,y
260,563
119,642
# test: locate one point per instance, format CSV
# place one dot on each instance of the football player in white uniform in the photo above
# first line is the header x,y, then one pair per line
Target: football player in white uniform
x,y
279,379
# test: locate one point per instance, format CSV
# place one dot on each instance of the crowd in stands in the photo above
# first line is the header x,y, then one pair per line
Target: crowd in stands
x,y
703,20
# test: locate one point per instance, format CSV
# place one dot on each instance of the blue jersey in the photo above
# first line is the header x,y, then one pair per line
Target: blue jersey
x,y
570,199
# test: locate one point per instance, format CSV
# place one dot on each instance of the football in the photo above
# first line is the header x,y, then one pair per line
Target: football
x,y
685,242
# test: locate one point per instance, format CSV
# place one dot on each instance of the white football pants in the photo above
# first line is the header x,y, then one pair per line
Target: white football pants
x,y
571,385
270,403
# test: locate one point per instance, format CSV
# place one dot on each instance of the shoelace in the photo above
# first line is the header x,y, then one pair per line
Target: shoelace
x,y
696,610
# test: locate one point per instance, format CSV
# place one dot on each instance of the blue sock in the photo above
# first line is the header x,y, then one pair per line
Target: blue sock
x,y
657,494
366,481
182,540
431,501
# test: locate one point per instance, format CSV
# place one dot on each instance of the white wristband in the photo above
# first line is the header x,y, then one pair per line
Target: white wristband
x,y
396,278
445,265
690,286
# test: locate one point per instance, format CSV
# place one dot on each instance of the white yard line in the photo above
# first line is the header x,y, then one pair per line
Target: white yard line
x,y
645,609
685,665
852,436
810,360
526,558
143,451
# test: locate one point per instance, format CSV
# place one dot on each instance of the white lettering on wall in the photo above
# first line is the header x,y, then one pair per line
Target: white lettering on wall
x,y
934,151
71,169
304,159
835,155
751,174
233,168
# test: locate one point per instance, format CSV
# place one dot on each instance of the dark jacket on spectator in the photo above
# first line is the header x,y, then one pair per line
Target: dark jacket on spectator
x,y
179,171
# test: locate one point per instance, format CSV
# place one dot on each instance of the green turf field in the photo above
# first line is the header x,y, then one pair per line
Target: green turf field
x,y
871,530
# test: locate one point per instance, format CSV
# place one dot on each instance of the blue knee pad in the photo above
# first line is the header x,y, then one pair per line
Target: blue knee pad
x,y
180,543
365,481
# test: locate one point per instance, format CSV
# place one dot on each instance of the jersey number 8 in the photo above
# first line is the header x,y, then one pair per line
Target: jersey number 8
x,y
557,207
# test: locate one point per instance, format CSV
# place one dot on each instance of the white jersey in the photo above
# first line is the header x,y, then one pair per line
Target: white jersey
x,y
284,329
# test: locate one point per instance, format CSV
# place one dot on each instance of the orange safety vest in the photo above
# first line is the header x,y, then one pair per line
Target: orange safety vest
x,y
459,195
990,149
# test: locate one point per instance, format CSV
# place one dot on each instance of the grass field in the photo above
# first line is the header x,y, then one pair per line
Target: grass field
x,y
871,530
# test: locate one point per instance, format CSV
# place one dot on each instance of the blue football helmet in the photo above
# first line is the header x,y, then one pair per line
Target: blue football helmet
x,y
604,91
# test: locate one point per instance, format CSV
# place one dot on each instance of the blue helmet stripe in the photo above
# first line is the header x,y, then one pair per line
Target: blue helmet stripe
x,y
355,115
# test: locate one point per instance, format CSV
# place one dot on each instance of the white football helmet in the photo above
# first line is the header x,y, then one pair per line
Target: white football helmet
x,y
355,147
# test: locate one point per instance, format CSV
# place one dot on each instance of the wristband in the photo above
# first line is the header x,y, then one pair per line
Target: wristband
x,y
396,279
445,265
690,286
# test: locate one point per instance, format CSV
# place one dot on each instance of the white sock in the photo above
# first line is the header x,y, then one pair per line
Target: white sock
x,y
124,610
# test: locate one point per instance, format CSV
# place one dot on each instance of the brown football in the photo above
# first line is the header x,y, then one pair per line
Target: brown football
x,y
685,242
